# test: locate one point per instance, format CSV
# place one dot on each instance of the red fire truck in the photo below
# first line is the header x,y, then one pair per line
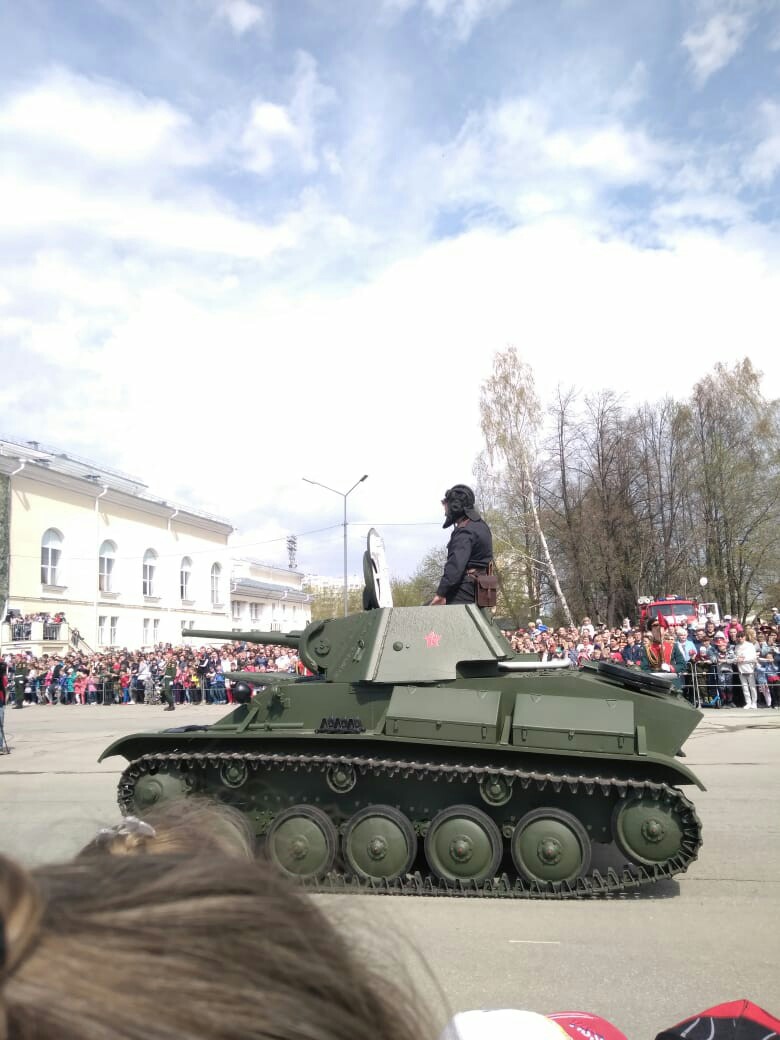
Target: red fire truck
x,y
676,610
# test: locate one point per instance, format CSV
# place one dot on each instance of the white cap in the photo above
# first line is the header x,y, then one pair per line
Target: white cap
x,y
502,1024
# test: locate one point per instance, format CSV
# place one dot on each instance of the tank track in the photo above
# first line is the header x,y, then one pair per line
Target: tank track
x,y
631,878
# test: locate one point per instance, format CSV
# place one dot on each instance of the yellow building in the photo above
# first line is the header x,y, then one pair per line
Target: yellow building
x,y
125,567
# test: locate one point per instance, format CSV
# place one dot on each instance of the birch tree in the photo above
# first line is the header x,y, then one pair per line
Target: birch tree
x,y
511,418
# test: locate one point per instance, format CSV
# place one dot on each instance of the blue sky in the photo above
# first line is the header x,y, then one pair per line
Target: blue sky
x,y
246,242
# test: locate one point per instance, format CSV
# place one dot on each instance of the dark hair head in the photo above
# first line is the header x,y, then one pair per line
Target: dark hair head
x,y
204,946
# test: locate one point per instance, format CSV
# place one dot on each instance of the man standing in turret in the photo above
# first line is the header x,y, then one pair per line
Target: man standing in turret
x,y
469,550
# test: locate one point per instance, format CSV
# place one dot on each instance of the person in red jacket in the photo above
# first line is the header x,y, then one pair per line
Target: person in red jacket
x,y
657,651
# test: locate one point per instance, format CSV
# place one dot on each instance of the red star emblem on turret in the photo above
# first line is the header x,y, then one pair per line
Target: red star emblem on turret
x,y
432,639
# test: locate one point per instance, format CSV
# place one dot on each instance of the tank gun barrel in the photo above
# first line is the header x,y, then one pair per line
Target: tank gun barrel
x,y
289,639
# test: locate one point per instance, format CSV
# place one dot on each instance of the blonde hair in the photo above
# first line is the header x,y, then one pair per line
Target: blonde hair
x,y
165,946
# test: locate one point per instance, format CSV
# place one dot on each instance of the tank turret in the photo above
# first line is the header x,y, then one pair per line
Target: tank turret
x,y
386,645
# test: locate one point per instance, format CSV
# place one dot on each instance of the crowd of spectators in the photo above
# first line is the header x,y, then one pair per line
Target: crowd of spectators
x,y
198,675
711,660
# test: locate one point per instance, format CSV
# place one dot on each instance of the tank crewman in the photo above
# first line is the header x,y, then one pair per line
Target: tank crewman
x,y
469,550
167,687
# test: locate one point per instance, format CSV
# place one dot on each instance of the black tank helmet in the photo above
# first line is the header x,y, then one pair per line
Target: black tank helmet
x,y
458,502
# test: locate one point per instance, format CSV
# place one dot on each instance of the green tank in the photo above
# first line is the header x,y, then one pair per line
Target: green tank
x,y
423,756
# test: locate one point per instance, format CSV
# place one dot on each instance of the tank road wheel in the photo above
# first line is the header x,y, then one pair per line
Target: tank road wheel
x,y
302,841
646,831
550,845
379,842
463,844
161,787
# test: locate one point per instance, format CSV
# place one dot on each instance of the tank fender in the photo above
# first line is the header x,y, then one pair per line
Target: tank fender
x,y
680,774
128,747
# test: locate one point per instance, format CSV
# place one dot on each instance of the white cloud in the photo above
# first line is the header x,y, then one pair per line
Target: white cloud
x,y
707,208
268,126
764,162
199,225
515,152
321,366
714,45
96,119
464,15
274,131
459,17
60,136
242,15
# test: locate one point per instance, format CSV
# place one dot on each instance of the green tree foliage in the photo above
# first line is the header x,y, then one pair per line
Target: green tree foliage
x,y
328,602
733,441
631,502
421,587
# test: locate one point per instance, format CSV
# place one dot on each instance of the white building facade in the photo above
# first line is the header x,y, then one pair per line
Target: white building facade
x,y
126,569
267,599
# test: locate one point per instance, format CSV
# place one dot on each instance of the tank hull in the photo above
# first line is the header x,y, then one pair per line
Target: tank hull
x,y
488,785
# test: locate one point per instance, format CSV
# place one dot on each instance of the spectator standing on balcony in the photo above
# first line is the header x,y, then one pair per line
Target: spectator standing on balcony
x,y
746,667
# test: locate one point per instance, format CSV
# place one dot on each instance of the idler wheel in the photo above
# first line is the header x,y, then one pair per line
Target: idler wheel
x,y
341,778
463,844
646,832
495,790
234,773
302,842
550,845
379,842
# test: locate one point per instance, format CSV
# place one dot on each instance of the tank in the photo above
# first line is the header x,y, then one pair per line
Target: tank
x,y
423,756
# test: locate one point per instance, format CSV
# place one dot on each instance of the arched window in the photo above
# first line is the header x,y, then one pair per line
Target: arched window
x,y
106,560
216,574
51,554
185,571
150,565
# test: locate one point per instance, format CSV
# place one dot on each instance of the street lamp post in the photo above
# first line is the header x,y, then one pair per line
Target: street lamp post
x,y
344,495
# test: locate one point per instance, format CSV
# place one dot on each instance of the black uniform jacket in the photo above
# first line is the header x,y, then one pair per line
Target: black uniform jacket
x,y
471,546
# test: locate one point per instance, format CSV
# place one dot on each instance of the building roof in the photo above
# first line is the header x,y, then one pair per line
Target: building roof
x,y
71,465
269,590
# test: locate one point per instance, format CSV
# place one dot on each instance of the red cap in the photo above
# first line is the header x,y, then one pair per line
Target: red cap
x,y
582,1025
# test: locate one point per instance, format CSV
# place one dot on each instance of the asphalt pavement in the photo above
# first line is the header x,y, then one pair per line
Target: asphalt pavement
x,y
643,961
